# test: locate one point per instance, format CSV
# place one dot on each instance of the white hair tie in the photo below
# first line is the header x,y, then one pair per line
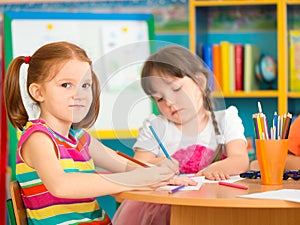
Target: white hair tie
x,y
31,107
221,139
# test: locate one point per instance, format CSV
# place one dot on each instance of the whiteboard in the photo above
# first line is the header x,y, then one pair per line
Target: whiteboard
x,y
109,40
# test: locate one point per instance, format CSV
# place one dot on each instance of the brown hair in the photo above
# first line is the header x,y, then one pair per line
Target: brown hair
x,y
178,61
44,64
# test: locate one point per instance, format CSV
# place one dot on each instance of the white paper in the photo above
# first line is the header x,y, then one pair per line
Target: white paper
x,y
200,180
232,179
284,194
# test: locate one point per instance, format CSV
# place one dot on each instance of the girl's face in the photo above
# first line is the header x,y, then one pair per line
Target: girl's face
x,y
180,100
68,96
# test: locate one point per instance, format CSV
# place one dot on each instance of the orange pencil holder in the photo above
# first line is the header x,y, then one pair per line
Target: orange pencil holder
x,y
271,156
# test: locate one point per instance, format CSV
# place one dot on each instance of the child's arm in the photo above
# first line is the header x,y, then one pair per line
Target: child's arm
x,y
108,159
40,153
292,162
149,157
293,158
254,165
146,156
237,161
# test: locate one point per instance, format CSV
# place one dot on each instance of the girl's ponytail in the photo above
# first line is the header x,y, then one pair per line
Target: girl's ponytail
x,y
220,140
15,109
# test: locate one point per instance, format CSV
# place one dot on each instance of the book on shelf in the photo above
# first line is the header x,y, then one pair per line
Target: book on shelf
x,y
231,68
238,67
294,60
207,57
251,58
216,49
225,65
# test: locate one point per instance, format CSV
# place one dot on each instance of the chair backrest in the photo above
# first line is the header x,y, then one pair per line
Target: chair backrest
x,y
18,205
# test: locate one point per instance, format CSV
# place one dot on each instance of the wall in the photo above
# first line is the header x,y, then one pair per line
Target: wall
x,y
171,24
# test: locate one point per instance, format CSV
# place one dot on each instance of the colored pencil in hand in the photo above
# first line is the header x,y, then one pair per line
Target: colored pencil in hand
x,y
160,143
132,159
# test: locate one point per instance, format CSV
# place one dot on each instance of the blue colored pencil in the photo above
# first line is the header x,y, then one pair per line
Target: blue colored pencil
x,y
160,143
275,124
176,189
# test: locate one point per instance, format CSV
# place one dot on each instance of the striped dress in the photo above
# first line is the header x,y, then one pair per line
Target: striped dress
x,y
41,206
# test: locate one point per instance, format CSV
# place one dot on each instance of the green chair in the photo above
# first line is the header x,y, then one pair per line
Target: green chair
x,y
10,211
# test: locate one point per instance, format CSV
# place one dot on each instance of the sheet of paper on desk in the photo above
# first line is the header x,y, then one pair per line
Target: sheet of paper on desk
x,y
231,180
199,180
284,194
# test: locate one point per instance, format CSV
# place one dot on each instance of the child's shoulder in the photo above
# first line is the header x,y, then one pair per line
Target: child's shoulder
x,y
31,127
158,122
295,126
297,121
34,125
155,119
225,113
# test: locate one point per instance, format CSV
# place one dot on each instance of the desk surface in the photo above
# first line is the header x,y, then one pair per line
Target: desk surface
x,y
214,195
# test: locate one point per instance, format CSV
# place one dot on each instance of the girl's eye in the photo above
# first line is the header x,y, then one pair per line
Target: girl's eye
x,y
86,85
66,85
159,99
177,89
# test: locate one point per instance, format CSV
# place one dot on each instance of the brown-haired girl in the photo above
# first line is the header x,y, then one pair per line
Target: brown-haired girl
x,y
205,142
56,157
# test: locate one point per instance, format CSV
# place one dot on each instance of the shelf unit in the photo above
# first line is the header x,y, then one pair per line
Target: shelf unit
x,y
38,1
282,7
293,97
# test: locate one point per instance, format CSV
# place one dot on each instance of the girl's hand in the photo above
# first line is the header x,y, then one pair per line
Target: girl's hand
x,y
176,181
181,180
141,177
172,164
213,172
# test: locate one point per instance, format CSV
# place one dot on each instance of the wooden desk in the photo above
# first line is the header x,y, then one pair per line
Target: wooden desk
x,y
214,204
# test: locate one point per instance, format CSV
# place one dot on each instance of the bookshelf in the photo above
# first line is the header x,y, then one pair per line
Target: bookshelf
x,y
293,22
39,1
199,10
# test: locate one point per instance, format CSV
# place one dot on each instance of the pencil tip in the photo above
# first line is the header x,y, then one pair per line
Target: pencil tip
x,y
259,107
